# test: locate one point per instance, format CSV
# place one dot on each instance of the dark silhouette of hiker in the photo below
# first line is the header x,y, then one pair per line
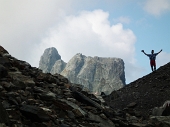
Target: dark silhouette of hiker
x,y
152,58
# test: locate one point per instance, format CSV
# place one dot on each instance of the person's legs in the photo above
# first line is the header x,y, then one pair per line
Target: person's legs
x,y
153,65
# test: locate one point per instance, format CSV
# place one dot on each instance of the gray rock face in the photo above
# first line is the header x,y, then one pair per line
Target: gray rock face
x,y
96,73
58,67
48,59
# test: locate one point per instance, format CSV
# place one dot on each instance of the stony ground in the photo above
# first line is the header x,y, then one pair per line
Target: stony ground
x,y
30,98
147,92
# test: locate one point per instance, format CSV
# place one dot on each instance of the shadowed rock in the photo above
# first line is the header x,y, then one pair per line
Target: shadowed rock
x,y
3,71
4,117
82,98
34,113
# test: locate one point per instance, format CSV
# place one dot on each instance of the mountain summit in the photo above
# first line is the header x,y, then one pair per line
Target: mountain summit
x,y
48,59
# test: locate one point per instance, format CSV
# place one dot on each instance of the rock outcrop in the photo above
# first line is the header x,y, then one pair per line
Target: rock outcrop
x,y
96,73
58,67
48,59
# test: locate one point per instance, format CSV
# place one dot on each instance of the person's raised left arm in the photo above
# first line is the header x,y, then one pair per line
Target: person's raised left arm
x,y
160,51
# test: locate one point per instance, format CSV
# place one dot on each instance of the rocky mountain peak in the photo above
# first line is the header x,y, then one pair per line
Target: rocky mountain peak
x,y
96,73
48,59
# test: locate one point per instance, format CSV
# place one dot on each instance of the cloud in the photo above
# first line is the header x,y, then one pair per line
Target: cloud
x,y
24,23
163,58
157,7
27,28
122,19
89,31
91,34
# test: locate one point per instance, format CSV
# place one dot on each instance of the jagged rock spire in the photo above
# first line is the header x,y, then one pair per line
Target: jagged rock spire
x,y
48,59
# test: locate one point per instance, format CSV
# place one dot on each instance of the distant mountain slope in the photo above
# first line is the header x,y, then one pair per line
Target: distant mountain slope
x,y
148,92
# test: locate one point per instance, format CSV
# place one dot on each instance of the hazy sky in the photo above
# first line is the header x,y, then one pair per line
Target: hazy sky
x,y
104,28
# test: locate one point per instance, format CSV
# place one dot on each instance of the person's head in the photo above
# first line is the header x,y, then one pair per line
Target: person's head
x,y
152,51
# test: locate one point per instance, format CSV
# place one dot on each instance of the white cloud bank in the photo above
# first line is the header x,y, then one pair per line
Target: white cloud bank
x,y
123,19
25,22
91,34
157,7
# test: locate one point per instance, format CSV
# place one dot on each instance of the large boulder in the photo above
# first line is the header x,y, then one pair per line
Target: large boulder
x,y
48,59
163,110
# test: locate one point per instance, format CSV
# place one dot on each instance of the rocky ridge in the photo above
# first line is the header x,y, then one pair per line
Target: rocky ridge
x,y
31,98
145,93
96,73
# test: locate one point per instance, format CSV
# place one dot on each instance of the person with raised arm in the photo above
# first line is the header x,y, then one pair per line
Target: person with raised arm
x,y
152,58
